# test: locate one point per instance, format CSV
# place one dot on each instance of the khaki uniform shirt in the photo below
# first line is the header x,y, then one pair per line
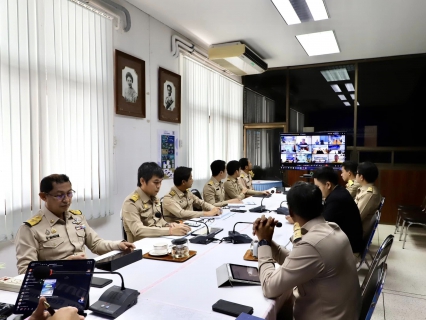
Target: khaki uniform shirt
x,y
352,186
368,200
321,267
47,237
139,220
178,205
214,193
233,189
246,180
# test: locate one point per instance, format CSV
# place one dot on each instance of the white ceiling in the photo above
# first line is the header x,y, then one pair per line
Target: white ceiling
x,y
364,28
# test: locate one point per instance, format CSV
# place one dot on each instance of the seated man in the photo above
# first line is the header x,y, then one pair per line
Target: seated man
x,y
246,176
349,176
56,233
141,210
233,189
368,195
214,192
339,207
320,269
178,203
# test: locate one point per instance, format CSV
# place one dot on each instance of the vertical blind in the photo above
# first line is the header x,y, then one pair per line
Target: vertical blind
x,y
212,117
55,106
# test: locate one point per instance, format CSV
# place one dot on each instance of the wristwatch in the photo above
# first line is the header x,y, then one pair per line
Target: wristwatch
x,y
263,242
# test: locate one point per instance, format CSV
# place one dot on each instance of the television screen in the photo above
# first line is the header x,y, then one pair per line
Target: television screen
x,y
308,151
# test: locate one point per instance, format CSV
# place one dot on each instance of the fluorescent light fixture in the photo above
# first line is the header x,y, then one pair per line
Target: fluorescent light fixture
x,y
287,11
349,87
336,88
357,103
340,74
317,9
347,104
353,96
342,97
319,43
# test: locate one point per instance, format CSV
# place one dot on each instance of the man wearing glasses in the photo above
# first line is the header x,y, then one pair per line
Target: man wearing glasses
x,y
57,233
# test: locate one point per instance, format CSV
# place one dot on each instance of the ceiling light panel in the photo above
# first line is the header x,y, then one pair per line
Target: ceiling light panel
x,y
287,11
336,88
340,74
319,43
318,10
349,87
347,104
342,97
353,96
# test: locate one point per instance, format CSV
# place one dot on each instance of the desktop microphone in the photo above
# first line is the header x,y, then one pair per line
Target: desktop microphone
x,y
261,208
283,210
119,299
235,237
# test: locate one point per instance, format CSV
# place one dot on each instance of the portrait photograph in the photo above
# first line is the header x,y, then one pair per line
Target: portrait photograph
x,y
169,96
129,85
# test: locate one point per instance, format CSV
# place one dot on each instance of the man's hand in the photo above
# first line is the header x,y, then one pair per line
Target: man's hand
x,y
214,212
244,191
78,256
265,228
289,219
67,313
126,246
177,229
234,201
266,192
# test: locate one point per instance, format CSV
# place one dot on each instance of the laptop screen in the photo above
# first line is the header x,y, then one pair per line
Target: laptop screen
x,y
60,289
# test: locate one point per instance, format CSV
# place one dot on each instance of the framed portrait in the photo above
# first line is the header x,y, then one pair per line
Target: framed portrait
x,y
129,85
168,96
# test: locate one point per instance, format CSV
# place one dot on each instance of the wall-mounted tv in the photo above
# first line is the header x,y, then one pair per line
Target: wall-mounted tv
x,y
308,151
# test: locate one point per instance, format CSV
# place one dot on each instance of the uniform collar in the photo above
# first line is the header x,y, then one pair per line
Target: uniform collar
x,y
243,174
232,179
215,182
50,216
368,185
144,197
178,192
311,223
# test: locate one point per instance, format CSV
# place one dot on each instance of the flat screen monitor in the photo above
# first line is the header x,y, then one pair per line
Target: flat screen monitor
x,y
308,151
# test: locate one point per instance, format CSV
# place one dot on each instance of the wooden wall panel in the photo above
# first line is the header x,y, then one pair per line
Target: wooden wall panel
x,y
400,186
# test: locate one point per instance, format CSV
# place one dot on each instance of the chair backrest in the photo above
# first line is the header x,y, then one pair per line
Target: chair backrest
x,y
379,259
368,236
381,205
372,291
197,193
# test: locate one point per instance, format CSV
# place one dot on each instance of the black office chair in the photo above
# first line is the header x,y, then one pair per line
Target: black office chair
x,y
368,237
372,291
198,194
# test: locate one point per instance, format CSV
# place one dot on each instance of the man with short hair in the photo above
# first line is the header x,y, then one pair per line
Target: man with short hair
x,y
178,203
368,195
339,207
56,233
319,270
246,176
349,176
141,210
232,187
213,191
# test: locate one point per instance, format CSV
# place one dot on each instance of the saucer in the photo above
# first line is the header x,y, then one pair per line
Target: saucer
x,y
158,254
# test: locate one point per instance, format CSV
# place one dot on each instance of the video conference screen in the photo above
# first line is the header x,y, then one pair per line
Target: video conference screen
x,y
306,151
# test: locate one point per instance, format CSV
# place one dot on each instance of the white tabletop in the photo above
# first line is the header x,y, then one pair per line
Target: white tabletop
x,y
188,290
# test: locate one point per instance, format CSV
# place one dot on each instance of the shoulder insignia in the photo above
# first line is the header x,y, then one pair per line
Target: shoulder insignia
x,y
134,197
251,173
241,176
228,179
350,182
77,212
370,189
172,193
210,183
33,221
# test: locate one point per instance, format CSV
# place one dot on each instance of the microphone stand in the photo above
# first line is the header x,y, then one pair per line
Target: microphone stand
x,y
202,239
237,238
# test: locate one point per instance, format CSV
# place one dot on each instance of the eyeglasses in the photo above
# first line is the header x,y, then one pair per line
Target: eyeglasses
x,y
61,197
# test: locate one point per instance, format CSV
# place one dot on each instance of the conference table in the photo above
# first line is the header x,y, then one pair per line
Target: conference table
x,y
187,290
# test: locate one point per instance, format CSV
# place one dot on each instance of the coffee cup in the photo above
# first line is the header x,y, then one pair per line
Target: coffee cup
x,y
160,248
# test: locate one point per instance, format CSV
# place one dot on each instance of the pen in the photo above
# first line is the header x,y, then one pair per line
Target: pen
x,y
49,308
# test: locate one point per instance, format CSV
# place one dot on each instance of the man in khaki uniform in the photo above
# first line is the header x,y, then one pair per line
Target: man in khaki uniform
x,y
178,203
321,259
246,175
57,233
368,196
349,169
141,210
233,190
214,191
